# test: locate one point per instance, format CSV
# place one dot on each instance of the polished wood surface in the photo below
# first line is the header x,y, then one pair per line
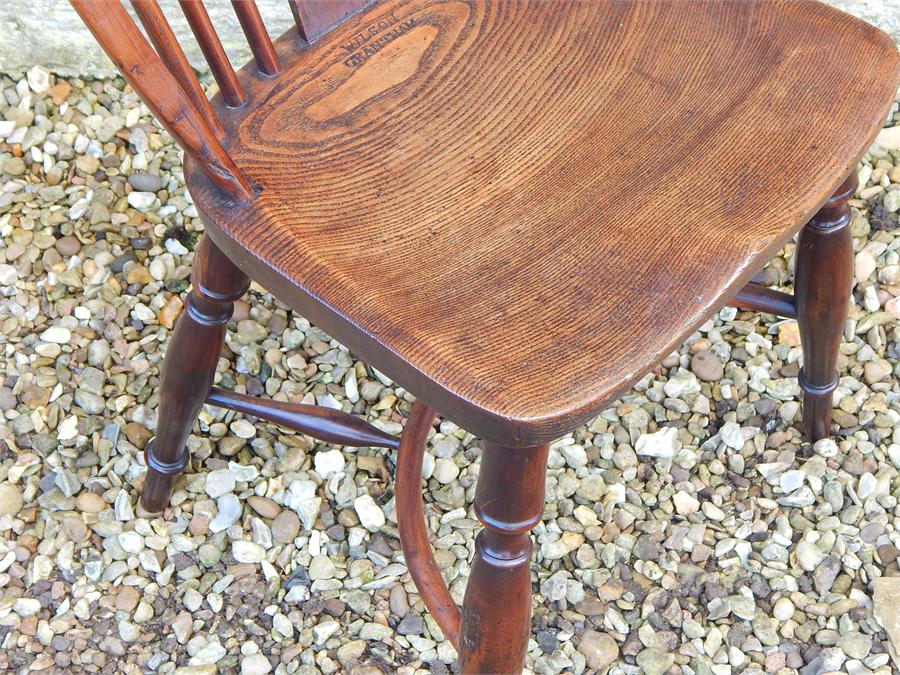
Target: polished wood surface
x,y
325,424
189,368
822,285
516,209
509,501
762,299
423,567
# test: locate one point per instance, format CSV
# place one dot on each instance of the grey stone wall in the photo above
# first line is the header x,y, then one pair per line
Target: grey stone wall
x,y
49,32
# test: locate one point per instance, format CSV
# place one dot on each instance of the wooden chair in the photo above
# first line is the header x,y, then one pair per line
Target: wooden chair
x,y
515,209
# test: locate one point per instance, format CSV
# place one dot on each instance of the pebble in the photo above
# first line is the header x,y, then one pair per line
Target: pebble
x,y
706,366
264,506
321,567
228,513
219,482
88,502
57,335
328,463
370,514
663,443
682,384
68,246
655,661
248,552
599,649
38,79
10,499
285,527
685,504
255,664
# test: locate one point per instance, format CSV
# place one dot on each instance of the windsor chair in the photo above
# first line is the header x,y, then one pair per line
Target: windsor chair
x,y
515,209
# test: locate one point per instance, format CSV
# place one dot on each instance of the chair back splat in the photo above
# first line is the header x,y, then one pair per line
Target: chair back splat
x,y
316,17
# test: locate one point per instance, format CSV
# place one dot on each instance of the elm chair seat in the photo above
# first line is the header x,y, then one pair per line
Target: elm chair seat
x,y
517,211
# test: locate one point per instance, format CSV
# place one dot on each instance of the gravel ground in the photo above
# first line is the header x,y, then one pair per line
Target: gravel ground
x,y
688,529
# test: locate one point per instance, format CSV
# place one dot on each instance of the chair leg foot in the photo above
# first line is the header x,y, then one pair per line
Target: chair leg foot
x,y
189,368
823,280
496,615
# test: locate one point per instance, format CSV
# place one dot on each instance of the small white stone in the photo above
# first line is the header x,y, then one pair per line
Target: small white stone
x,y
122,508
324,630
370,514
663,443
328,463
445,471
283,625
731,435
141,201
864,266
8,275
193,599
219,482
208,655
255,664
57,335
321,567
38,79
575,456
26,606
243,429
175,247
67,429
243,473
248,552
129,632
866,486
808,555
784,609
685,504
682,384
131,542
229,512
791,480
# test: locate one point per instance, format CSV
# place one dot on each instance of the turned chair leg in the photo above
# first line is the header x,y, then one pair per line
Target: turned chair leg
x,y
189,368
822,284
496,615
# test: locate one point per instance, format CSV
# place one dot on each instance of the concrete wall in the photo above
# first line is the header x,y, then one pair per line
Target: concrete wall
x,y
48,32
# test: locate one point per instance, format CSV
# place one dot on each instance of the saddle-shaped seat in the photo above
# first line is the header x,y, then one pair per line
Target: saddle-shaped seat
x,y
516,209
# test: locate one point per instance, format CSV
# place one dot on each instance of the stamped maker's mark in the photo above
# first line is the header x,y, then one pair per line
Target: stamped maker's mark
x,y
374,37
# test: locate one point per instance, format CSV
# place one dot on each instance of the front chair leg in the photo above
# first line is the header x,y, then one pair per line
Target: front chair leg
x,y
822,283
189,368
496,615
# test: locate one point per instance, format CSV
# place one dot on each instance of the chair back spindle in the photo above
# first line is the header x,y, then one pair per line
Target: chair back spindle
x,y
252,24
211,46
166,44
146,72
168,85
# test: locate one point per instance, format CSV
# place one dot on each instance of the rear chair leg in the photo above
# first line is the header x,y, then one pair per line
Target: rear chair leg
x,y
189,368
822,284
496,615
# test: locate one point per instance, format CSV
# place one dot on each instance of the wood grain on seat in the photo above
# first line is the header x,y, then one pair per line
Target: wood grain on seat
x,y
517,208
